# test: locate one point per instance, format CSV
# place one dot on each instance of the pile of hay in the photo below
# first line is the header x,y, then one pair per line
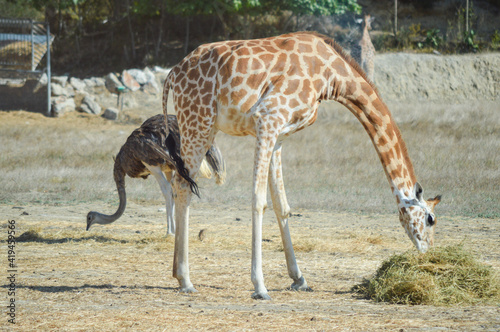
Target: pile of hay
x,y
31,235
444,275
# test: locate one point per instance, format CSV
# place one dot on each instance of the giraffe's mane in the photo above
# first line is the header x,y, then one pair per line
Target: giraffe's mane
x,y
354,64
344,55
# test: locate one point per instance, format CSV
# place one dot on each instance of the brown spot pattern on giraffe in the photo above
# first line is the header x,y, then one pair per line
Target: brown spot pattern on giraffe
x,y
284,78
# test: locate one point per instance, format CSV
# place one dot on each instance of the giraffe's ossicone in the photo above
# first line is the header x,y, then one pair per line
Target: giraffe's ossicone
x,y
270,88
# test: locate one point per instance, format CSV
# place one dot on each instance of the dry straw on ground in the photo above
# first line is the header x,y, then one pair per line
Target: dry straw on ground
x,y
344,224
443,276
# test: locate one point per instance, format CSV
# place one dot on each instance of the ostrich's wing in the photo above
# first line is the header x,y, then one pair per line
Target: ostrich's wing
x,y
149,140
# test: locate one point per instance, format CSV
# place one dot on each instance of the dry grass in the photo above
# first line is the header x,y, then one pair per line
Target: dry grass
x,y
331,165
118,277
443,276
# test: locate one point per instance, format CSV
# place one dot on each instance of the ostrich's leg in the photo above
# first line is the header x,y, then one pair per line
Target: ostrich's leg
x,y
166,190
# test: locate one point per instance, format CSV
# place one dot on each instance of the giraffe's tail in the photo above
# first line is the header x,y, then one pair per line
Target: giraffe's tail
x,y
216,163
171,144
166,90
179,164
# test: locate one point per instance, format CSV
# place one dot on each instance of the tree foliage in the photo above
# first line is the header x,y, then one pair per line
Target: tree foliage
x,y
316,7
132,32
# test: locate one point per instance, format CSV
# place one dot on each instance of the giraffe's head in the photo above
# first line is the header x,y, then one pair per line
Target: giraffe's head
x,y
366,22
418,219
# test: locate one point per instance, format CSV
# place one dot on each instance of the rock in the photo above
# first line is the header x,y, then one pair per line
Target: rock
x,y
69,92
111,113
43,79
90,106
77,83
112,83
99,81
161,73
129,101
61,105
129,81
57,90
202,234
138,75
94,81
158,69
90,83
149,74
61,80
150,88
151,85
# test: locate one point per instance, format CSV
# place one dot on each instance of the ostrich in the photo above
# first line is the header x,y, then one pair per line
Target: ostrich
x,y
155,149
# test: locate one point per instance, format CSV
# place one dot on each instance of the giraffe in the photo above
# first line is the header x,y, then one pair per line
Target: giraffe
x,y
364,51
271,88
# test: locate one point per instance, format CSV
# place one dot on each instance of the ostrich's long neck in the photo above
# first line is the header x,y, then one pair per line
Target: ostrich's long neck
x,y
363,101
105,219
119,176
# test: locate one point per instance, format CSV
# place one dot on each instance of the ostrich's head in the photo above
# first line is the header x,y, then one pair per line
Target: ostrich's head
x,y
418,219
92,216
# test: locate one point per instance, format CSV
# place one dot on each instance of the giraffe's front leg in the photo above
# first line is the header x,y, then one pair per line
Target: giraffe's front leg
x,y
261,167
282,210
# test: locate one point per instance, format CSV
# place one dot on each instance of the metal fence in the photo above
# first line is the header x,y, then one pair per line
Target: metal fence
x,y
23,44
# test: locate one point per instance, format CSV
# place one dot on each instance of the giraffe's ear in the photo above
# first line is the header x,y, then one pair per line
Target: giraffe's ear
x,y
432,202
418,191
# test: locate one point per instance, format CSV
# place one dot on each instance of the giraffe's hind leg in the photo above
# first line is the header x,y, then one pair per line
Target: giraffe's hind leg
x,y
263,152
282,210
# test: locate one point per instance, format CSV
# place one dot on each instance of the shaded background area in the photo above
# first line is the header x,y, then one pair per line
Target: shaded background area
x,y
27,95
100,36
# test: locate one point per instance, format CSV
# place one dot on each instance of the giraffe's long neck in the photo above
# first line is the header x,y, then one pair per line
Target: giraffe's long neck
x,y
363,101
366,34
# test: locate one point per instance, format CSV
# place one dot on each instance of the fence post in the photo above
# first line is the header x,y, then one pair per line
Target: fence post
x,y
395,18
48,69
32,47
467,16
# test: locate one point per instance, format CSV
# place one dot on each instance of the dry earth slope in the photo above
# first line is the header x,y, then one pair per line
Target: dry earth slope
x,y
401,76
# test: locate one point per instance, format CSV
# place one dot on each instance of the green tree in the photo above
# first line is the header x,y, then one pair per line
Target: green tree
x,y
19,9
300,8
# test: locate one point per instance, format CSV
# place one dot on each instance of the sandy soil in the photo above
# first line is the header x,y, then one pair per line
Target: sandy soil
x,y
119,277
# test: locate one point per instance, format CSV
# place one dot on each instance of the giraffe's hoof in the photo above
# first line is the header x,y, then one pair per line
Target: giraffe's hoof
x,y
188,290
301,285
261,296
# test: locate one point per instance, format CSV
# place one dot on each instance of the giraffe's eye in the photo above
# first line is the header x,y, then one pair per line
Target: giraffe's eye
x,y
430,220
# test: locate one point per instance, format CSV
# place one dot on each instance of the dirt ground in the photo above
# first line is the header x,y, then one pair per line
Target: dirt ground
x,y
118,277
